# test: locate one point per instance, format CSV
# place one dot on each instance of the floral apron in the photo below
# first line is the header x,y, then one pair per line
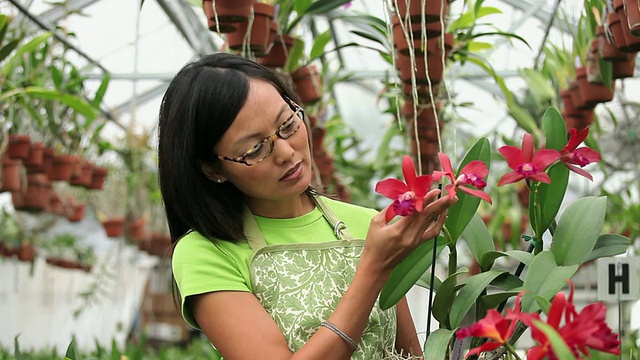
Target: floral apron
x,y
300,285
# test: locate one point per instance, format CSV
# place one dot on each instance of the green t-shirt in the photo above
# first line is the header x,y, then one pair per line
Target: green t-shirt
x,y
201,266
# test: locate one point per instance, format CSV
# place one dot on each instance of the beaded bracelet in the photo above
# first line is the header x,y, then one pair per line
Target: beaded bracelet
x,y
339,332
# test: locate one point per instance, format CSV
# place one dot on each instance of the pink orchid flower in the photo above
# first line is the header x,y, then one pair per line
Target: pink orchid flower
x,y
406,197
527,163
472,174
583,156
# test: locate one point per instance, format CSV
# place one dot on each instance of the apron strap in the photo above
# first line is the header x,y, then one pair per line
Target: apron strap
x,y
256,239
339,228
252,231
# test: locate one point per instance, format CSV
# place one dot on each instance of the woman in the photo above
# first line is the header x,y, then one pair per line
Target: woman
x,y
265,267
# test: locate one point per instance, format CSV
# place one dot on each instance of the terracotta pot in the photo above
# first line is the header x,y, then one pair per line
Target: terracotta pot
x,y
229,11
415,30
114,227
576,97
18,147
36,195
47,159
608,51
98,176
632,43
258,31
55,204
75,212
593,93
279,52
625,69
579,120
62,167
221,26
160,244
10,180
317,139
567,102
632,8
308,84
592,65
84,176
424,91
433,9
434,62
136,229
428,155
34,161
615,26
26,252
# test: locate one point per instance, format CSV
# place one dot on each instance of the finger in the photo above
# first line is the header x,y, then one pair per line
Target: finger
x,y
435,227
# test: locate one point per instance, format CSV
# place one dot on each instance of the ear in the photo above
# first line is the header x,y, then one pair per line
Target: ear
x,y
209,170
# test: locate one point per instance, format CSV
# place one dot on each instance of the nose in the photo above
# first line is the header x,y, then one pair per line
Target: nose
x,y
282,150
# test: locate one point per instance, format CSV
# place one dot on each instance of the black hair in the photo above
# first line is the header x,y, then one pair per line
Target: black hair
x,y
200,104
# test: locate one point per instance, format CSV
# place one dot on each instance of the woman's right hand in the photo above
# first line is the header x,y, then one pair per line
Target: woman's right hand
x,y
387,244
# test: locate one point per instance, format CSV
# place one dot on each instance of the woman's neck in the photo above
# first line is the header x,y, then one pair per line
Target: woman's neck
x,y
282,209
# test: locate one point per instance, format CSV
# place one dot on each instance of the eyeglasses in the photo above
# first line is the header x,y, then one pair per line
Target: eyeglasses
x,y
263,148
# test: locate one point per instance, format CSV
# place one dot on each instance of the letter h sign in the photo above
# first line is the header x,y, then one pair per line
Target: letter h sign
x,y
618,279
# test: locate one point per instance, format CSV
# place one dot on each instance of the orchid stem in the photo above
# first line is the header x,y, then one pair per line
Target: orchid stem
x,y
434,255
453,258
512,350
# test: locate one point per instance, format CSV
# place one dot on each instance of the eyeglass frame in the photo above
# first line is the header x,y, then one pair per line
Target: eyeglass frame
x,y
297,111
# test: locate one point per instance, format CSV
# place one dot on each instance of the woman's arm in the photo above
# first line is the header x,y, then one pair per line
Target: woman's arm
x,y
407,341
240,328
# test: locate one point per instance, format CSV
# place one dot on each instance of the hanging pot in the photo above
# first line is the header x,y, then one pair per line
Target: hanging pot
x,y
221,26
33,162
632,43
308,84
113,227
625,69
18,147
83,176
279,52
75,212
632,9
434,62
26,252
98,177
62,167
37,194
424,92
615,25
47,159
416,31
10,180
136,230
579,120
227,12
254,35
576,96
433,10
592,64
567,102
55,204
606,49
593,93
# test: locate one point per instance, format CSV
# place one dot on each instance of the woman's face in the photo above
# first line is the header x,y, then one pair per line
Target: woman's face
x,y
282,176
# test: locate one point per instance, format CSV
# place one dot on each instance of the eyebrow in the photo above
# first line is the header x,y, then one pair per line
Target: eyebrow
x,y
258,134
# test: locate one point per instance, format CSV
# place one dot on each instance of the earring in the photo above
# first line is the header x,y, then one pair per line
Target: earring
x,y
219,181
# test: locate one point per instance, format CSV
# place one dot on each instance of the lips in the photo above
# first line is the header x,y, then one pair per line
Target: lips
x,y
293,172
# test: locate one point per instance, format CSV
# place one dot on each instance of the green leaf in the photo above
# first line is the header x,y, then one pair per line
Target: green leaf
x,y
492,301
487,259
405,275
543,303
437,345
606,72
324,6
26,48
71,351
301,6
476,46
319,44
380,40
442,300
544,278
461,213
549,196
295,55
469,293
16,349
522,117
608,245
7,49
560,348
102,90
578,230
477,237
79,105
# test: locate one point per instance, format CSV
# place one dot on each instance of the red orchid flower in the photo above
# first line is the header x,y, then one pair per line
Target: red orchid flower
x,y
472,174
583,156
406,197
527,163
580,332
495,327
